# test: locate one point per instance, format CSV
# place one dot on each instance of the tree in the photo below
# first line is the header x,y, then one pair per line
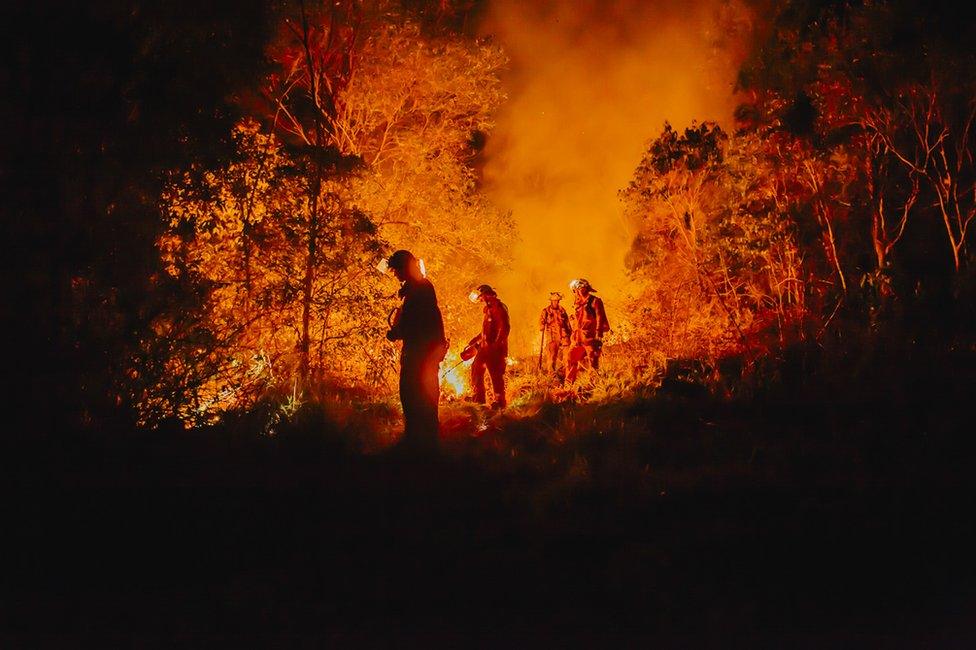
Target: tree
x,y
127,92
314,53
716,250
371,145
239,235
888,86
414,108
417,111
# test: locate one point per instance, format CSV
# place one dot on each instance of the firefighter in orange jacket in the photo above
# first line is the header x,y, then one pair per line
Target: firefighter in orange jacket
x,y
590,324
419,325
554,325
492,348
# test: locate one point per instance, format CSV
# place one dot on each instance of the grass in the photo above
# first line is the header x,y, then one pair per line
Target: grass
x,y
651,513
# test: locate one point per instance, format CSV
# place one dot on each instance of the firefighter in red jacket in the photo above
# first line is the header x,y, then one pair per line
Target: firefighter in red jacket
x,y
554,325
589,325
492,348
419,325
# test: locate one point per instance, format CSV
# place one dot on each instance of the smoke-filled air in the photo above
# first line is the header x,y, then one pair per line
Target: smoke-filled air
x,y
589,84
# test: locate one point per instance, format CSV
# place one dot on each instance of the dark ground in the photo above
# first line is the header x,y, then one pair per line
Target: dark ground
x,y
822,521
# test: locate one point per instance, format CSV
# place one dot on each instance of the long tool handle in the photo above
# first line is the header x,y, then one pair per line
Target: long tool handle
x,y
542,345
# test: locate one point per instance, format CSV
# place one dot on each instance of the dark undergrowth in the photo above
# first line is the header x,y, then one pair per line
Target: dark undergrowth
x,y
819,511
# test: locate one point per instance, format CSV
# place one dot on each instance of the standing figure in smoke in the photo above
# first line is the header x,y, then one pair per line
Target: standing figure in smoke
x,y
554,325
492,348
589,327
419,325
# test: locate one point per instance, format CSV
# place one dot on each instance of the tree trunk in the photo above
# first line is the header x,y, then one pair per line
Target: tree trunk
x,y
308,280
830,245
877,235
248,283
247,210
877,211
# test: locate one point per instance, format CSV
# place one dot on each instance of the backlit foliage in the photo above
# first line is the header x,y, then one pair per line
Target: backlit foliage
x,y
417,111
888,89
845,191
394,169
716,256
240,236
852,158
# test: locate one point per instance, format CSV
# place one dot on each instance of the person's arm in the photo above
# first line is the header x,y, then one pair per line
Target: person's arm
x,y
504,326
396,323
567,331
433,314
396,330
602,324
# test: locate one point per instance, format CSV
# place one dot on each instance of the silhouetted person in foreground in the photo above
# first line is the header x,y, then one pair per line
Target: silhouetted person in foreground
x,y
419,325
589,326
493,347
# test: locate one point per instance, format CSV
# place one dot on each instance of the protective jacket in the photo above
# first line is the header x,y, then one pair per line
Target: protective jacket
x,y
492,352
554,321
420,326
495,326
591,320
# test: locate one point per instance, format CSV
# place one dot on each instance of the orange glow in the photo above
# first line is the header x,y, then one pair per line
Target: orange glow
x,y
454,375
567,95
590,83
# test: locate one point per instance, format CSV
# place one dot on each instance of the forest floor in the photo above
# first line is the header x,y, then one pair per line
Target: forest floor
x,y
805,519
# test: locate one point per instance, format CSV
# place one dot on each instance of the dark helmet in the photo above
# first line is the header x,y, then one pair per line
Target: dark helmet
x,y
400,259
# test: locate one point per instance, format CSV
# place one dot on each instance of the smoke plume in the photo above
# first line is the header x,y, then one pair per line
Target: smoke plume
x,y
590,83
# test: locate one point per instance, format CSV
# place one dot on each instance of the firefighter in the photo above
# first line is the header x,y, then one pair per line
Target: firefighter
x,y
589,326
419,325
554,325
492,347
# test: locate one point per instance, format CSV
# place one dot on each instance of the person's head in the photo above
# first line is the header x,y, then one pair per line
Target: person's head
x,y
484,293
554,298
404,265
581,287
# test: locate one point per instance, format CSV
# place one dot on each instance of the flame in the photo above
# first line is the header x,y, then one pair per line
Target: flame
x,y
454,375
473,296
423,268
454,381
